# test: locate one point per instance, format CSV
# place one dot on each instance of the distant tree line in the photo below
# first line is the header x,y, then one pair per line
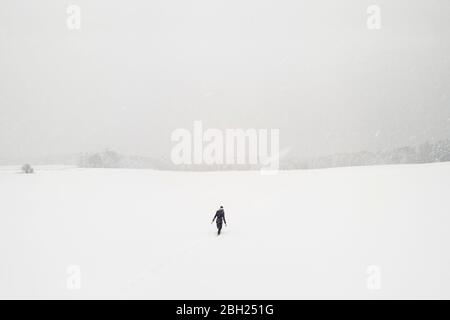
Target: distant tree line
x,y
113,159
424,153
105,159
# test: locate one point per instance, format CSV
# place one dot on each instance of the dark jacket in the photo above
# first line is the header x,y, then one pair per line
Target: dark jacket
x,y
220,215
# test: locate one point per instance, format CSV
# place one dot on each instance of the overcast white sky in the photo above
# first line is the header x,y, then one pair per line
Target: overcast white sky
x,y
138,69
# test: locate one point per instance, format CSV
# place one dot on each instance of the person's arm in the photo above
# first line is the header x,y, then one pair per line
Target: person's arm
x,y
215,216
224,218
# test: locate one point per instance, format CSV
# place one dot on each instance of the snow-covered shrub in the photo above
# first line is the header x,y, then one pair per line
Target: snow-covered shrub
x,y
26,168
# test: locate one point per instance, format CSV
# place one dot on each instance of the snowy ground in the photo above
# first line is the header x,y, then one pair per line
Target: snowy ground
x,y
298,234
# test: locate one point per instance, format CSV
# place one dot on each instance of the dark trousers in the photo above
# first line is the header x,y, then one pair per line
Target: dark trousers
x,y
219,227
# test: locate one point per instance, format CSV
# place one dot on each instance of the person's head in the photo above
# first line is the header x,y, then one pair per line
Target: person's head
x,y
221,207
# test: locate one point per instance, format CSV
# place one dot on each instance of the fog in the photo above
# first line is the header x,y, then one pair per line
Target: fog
x,y
137,70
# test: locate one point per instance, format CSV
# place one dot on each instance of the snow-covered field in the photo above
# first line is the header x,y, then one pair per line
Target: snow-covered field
x,y
297,234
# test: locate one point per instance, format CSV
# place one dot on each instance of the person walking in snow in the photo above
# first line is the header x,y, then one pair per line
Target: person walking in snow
x,y
219,217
